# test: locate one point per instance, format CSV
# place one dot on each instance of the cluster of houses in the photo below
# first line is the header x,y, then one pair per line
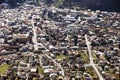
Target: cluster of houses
x,y
62,34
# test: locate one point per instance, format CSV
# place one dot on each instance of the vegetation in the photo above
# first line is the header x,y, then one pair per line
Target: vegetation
x,y
111,72
94,56
16,78
91,72
34,78
84,56
40,69
3,68
61,56
59,3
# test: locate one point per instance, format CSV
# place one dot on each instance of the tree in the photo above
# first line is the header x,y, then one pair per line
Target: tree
x,y
75,40
119,46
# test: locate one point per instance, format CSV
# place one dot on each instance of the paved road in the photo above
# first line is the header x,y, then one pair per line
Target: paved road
x,y
62,10
40,59
91,59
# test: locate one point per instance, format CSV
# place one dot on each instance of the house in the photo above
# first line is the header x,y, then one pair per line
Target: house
x,y
4,77
48,70
66,78
21,38
69,18
33,70
4,52
53,76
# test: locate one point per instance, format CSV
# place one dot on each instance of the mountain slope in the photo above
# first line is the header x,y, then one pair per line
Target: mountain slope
x,y
109,5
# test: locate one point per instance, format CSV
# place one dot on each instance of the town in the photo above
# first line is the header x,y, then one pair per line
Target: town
x,y
38,42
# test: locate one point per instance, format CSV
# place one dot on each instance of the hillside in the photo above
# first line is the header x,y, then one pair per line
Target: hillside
x,y
107,5
13,3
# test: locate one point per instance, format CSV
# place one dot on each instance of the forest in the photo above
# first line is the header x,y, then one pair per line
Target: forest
x,y
104,5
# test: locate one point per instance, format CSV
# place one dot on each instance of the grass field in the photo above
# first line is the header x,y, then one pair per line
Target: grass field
x,y
58,3
84,56
61,57
40,69
3,68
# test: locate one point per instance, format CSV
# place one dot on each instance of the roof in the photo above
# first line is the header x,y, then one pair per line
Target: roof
x,y
47,70
33,69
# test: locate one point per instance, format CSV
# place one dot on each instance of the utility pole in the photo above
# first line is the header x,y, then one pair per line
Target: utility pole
x,y
119,64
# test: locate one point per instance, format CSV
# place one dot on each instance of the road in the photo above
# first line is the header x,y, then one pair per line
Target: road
x,y
36,44
91,59
40,59
63,10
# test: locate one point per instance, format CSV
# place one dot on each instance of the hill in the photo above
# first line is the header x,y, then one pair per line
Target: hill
x,y
107,5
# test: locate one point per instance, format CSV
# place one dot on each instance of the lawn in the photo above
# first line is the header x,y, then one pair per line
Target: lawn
x,y
40,69
58,3
84,56
61,57
3,68
91,71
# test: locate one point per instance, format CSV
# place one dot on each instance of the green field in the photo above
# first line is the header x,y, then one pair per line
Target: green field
x,y
3,68
84,56
40,70
58,3
61,57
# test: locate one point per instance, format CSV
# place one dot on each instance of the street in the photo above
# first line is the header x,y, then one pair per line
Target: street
x,y
91,59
